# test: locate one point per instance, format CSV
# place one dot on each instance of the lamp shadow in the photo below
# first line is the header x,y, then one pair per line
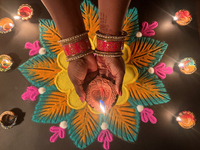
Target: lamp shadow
x,y
37,10
15,59
20,115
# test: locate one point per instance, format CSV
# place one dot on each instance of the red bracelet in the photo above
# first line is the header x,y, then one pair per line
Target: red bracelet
x,y
110,46
77,47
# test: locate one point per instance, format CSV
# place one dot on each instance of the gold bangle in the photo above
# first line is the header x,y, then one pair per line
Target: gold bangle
x,y
110,39
73,38
108,53
113,37
79,55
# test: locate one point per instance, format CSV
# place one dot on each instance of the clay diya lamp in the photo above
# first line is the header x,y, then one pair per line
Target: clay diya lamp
x,y
5,63
6,25
25,11
8,119
187,65
101,94
183,17
186,119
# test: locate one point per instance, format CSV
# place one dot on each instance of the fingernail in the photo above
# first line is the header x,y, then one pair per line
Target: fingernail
x,y
120,93
82,99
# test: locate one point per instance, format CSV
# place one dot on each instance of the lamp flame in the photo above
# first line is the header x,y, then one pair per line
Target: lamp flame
x,y
16,17
175,18
178,119
181,64
102,106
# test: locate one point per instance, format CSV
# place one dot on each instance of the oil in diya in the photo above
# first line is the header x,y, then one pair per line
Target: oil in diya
x,y
25,11
183,17
5,63
186,119
6,25
187,65
101,95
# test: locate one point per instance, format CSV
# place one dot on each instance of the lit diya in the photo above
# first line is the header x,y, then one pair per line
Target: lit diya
x,y
5,63
187,65
6,25
25,11
186,119
101,94
183,17
8,119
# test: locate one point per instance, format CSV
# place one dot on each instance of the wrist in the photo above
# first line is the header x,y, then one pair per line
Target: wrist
x,y
110,45
77,46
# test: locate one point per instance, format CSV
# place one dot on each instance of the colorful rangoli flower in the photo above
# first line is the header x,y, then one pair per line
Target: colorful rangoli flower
x,y
61,103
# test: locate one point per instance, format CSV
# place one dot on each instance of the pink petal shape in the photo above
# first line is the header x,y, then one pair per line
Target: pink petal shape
x,y
30,94
35,47
147,30
31,89
149,33
145,26
153,25
148,111
62,133
106,137
54,129
101,136
28,45
106,145
147,115
33,52
54,137
109,136
161,71
36,44
160,74
152,119
33,92
144,117
58,132
25,96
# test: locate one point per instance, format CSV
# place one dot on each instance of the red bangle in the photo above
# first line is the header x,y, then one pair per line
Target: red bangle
x,y
77,47
110,46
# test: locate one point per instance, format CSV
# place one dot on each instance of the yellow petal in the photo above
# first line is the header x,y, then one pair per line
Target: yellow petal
x,y
131,74
61,59
93,110
92,43
95,41
127,53
125,95
74,101
63,82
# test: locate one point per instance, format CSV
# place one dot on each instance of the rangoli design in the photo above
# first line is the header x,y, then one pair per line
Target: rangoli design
x,y
59,102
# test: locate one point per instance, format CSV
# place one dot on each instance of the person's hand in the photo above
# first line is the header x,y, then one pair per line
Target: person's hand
x,y
112,68
81,72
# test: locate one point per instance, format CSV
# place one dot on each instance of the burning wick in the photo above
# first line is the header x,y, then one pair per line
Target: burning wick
x,y
178,119
181,65
16,17
102,106
11,25
175,18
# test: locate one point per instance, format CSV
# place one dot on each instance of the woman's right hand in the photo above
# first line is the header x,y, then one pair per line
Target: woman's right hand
x,y
81,72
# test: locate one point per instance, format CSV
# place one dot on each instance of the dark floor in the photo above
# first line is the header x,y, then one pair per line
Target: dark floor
x,y
183,89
